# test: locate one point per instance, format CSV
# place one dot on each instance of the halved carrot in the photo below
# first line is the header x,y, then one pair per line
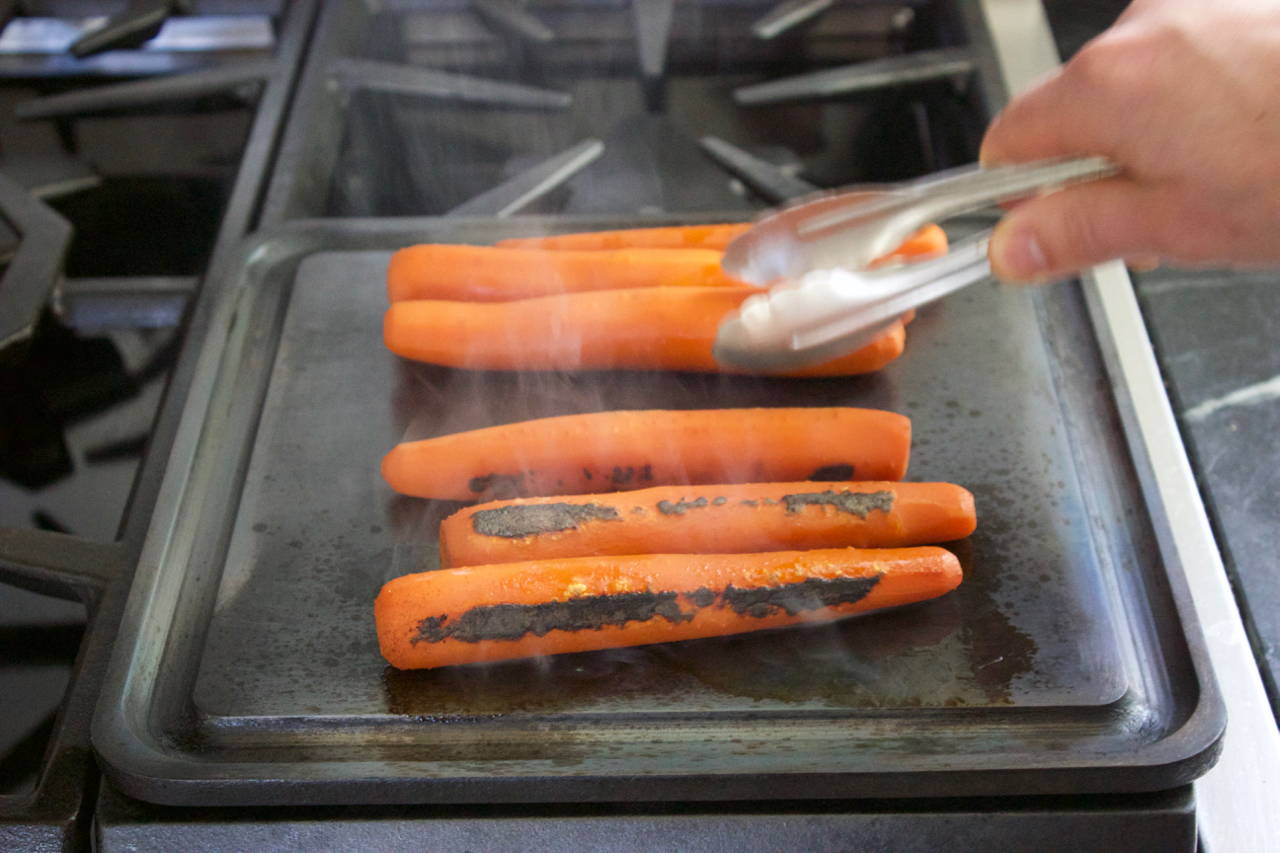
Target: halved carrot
x,y
494,274
544,607
719,519
624,450
656,328
663,237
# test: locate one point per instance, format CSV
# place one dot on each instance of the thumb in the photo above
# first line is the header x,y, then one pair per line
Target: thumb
x,y
1058,234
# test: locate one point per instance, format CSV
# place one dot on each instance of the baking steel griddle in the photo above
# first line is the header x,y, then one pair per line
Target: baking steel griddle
x,y
249,673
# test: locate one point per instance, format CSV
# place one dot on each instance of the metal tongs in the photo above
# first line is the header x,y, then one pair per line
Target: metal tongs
x,y
823,300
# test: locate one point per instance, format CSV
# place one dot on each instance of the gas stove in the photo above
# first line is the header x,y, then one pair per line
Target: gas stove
x,y
296,164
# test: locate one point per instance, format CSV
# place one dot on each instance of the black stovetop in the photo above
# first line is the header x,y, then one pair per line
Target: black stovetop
x,y
1216,339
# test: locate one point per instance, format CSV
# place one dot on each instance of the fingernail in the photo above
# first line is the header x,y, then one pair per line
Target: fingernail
x,y
1022,256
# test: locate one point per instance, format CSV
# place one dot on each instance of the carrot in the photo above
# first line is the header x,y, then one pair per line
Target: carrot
x,y
578,604
495,274
606,261
709,520
927,241
666,237
624,450
658,328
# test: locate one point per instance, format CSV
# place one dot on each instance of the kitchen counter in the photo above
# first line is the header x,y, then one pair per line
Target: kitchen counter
x,y
1217,339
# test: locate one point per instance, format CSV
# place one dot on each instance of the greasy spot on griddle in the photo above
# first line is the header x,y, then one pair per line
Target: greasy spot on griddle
x,y
808,595
501,486
854,503
680,507
997,650
842,471
586,613
517,522
891,659
541,685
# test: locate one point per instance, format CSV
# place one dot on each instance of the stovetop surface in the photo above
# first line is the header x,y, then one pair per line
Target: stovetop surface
x,y
1221,375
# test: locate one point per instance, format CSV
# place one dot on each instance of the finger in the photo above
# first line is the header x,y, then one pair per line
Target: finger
x,y
1142,263
1059,234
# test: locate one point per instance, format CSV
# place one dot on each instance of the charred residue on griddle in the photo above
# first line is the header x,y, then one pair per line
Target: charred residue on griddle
x,y
682,506
517,522
841,471
807,595
593,612
854,503
501,486
585,613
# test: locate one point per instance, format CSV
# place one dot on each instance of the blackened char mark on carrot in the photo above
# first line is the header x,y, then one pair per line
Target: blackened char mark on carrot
x,y
701,597
854,503
517,522
808,595
842,471
623,478
681,507
501,486
592,612
588,613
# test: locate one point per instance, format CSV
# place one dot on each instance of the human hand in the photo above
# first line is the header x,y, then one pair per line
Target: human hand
x,y
1184,95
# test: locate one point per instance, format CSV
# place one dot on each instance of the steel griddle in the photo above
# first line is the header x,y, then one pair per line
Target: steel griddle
x,y
247,672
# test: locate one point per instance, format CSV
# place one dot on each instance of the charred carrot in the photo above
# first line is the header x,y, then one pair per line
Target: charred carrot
x,y
495,274
545,607
625,450
657,328
709,520
666,237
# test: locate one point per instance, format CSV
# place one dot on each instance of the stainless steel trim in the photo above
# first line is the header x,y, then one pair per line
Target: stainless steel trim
x,y
1237,798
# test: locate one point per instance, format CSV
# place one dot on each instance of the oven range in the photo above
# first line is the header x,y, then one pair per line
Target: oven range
x,y
201,198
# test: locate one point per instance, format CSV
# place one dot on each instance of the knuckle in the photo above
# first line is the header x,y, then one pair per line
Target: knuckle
x,y
1079,237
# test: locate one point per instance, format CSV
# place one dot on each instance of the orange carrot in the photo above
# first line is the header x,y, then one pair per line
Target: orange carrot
x,y
513,270
493,274
656,328
543,607
665,237
709,520
623,450
927,241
